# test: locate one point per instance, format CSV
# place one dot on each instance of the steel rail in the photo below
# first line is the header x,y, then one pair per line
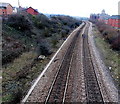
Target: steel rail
x,y
93,94
46,68
70,49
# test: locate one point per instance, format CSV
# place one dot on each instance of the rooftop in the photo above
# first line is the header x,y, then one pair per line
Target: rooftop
x,y
115,17
4,4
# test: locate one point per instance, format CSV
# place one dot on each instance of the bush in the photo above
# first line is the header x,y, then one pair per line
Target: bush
x,y
116,43
43,48
46,33
55,39
17,96
41,21
64,33
11,49
19,22
111,35
65,21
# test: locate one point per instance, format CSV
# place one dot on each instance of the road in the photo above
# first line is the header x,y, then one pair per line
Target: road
x,y
73,75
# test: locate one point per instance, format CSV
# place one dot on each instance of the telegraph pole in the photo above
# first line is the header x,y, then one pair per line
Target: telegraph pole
x,y
18,3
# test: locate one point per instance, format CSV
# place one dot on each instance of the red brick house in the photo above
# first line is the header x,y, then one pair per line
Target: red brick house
x,y
5,9
32,11
114,21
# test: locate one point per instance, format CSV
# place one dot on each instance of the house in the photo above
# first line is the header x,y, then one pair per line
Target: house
x,y
5,9
114,21
32,11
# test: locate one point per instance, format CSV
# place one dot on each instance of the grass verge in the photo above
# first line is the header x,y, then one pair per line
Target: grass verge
x,y
110,57
20,75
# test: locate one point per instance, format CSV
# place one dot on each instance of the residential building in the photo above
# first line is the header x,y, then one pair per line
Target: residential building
x,y
6,9
31,11
114,21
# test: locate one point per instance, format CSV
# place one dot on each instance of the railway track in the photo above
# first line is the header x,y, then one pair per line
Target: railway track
x,y
59,86
75,77
93,93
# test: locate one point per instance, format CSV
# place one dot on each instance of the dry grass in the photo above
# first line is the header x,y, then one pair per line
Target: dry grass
x,y
17,65
9,83
14,86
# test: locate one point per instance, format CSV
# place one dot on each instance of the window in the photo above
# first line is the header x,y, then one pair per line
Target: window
x,y
2,7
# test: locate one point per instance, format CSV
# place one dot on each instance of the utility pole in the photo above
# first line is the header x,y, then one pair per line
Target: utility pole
x,y
119,8
19,4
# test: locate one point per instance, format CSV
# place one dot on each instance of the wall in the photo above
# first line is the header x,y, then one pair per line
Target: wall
x,y
114,22
32,11
7,11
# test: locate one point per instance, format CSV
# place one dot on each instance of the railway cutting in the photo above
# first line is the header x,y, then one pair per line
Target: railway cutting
x,y
73,77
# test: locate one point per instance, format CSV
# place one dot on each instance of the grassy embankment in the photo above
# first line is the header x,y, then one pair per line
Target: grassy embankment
x,y
19,75
110,57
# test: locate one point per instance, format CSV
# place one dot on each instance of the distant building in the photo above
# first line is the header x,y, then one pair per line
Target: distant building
x,y
31,11
114,21
5,9
94,16
103,16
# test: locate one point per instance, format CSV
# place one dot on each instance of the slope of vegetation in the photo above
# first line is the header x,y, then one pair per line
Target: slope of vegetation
x,y
26,31
111,35
25,38
105,39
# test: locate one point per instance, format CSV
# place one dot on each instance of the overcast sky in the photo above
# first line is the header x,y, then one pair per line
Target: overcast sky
x,y
69,7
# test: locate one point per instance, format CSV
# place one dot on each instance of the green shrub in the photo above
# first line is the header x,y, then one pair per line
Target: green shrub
x,y
41,21
111,35
43,48
46,33
64,33
116,43
55,39
19,22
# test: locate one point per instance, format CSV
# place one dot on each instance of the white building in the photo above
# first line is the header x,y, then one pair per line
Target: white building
x,y
15,10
